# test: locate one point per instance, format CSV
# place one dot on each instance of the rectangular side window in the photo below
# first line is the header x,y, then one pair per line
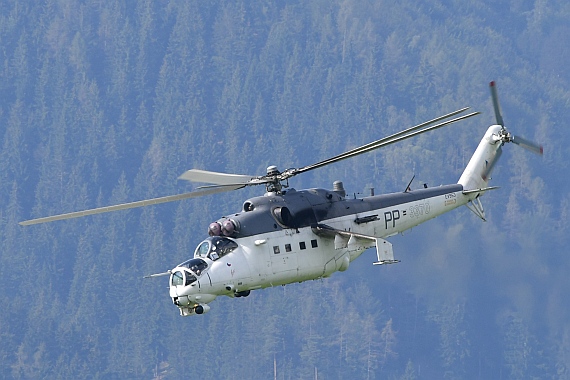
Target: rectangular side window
x,y
287,247
302,245
276,249
314,243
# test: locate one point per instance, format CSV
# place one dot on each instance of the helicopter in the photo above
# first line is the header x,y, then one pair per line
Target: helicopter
x,y
287,236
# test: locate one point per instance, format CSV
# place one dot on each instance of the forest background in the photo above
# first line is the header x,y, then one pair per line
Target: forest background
x,y
109,101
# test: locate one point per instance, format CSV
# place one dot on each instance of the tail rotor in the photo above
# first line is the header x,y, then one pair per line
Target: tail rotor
x,y
476,176
505,135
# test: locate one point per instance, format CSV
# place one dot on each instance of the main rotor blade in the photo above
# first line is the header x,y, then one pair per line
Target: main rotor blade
x,y
196,175
527,144
395,135
124,206
496,104
405,134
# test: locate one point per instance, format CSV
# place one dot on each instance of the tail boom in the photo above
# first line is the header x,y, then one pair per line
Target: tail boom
x,y
478,171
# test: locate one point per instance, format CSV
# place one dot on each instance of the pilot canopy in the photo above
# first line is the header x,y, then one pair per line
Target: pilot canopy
x,y
196,267
215,247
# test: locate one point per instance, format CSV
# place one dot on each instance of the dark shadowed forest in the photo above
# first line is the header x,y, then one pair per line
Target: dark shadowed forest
x,y
103,102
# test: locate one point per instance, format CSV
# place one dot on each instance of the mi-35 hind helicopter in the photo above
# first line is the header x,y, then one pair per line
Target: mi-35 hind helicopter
x,y
288,236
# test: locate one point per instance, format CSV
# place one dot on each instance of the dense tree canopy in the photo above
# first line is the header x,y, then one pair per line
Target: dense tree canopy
x,y
107,101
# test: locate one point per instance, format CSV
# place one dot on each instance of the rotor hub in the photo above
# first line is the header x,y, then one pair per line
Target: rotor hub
x,y
277,180
272,171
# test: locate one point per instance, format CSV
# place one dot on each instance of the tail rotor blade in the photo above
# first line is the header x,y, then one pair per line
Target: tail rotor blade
x,y
496,104
507,136
527,144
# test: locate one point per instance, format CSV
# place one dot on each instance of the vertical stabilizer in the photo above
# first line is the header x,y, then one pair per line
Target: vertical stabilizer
x,y
478,171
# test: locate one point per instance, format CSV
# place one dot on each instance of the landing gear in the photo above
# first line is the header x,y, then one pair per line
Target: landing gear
x,y
245,293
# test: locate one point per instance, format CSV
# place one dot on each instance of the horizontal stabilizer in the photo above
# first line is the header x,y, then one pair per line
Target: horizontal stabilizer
x,y
480,190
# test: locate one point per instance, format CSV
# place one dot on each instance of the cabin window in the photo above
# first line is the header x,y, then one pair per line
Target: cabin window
x,y
287,247
302,245
314,243
276,249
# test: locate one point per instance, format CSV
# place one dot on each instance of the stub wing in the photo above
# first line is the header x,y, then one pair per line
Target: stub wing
x,y
349,239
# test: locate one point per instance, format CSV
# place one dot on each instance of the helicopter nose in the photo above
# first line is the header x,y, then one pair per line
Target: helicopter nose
x,y
181,301
182,296
181,291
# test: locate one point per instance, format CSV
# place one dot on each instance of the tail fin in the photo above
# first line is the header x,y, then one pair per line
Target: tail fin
x,y
478,171
476,176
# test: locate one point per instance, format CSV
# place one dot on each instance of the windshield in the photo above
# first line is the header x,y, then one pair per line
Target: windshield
x,y
177,278
182,278
203,249
215,247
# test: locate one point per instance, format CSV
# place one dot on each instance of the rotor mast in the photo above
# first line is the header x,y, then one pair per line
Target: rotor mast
x,y
275,184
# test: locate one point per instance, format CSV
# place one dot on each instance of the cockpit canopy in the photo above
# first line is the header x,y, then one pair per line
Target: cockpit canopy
x,y
215,247
195,265
187,277
184,278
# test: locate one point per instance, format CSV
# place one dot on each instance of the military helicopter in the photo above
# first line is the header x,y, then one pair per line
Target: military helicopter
x,y
287,236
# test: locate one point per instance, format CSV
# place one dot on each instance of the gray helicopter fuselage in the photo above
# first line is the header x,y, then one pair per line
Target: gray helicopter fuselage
x,y
304,235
